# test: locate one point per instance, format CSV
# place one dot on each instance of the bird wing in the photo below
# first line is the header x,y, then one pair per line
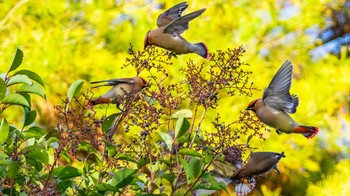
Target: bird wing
x,y
180,25
171,14
277,95
113,82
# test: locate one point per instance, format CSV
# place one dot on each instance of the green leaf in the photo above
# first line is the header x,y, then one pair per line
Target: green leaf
x,y
31,75
37,153
167,139
123,177
3,158
208,158
188,171
108,122
74,89
12,169
185,113
186,151
15,99
210,183
64,185
34,88
196,166
17,60
126,158
29,116
36,132
111,151
169,176
68,172
4,131
182,126
106,187
19,79
2,89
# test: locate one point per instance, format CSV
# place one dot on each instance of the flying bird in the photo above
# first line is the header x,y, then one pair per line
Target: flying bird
x,y
171,24
121,87
273,108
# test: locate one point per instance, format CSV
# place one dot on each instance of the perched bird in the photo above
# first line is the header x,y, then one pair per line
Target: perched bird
x,y
170,25
259,163
121,87
273,108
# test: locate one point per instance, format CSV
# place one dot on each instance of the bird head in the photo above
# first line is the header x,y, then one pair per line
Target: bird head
x,y
144,83
146,41
251,105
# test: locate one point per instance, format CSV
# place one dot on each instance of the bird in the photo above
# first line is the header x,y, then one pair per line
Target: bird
x,y
121,87
170,27
273,108
258,163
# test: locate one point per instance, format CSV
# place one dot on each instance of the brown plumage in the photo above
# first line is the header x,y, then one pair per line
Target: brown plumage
x,y
259,163
121,87
273,108
170,25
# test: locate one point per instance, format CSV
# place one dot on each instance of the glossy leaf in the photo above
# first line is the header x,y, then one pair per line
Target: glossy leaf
x,y
34,131
108,122
210,183
182,126
196,166
31,75
188,171
186,151
185,113
167,139
15,99
35,89
68,172
17,60
37,153
123,177
29,116
64,185
2,89
12,169
16,79
111,151
74,89
4,131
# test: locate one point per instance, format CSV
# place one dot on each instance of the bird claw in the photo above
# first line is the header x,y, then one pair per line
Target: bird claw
x,y
171,54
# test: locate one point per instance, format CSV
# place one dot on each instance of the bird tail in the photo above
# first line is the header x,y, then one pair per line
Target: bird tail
x,y
202,50
98,101
308,131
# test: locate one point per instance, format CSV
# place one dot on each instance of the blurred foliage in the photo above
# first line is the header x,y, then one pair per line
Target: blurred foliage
x,y
64,41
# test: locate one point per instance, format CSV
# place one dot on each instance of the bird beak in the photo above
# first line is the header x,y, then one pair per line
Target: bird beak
x,y
249,108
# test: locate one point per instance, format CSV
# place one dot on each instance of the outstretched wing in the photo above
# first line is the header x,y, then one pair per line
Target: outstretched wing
x,y
277,95
180,25
171,14
113,82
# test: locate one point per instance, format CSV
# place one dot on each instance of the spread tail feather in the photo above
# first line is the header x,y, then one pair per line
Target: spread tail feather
x,y
308,131
202,50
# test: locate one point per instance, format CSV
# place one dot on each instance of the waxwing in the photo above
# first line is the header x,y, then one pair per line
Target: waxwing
x,y
121,87
273,108
170,27
259,163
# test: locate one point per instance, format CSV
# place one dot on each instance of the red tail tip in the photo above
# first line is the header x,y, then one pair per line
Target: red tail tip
x,y
313,134
90,104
